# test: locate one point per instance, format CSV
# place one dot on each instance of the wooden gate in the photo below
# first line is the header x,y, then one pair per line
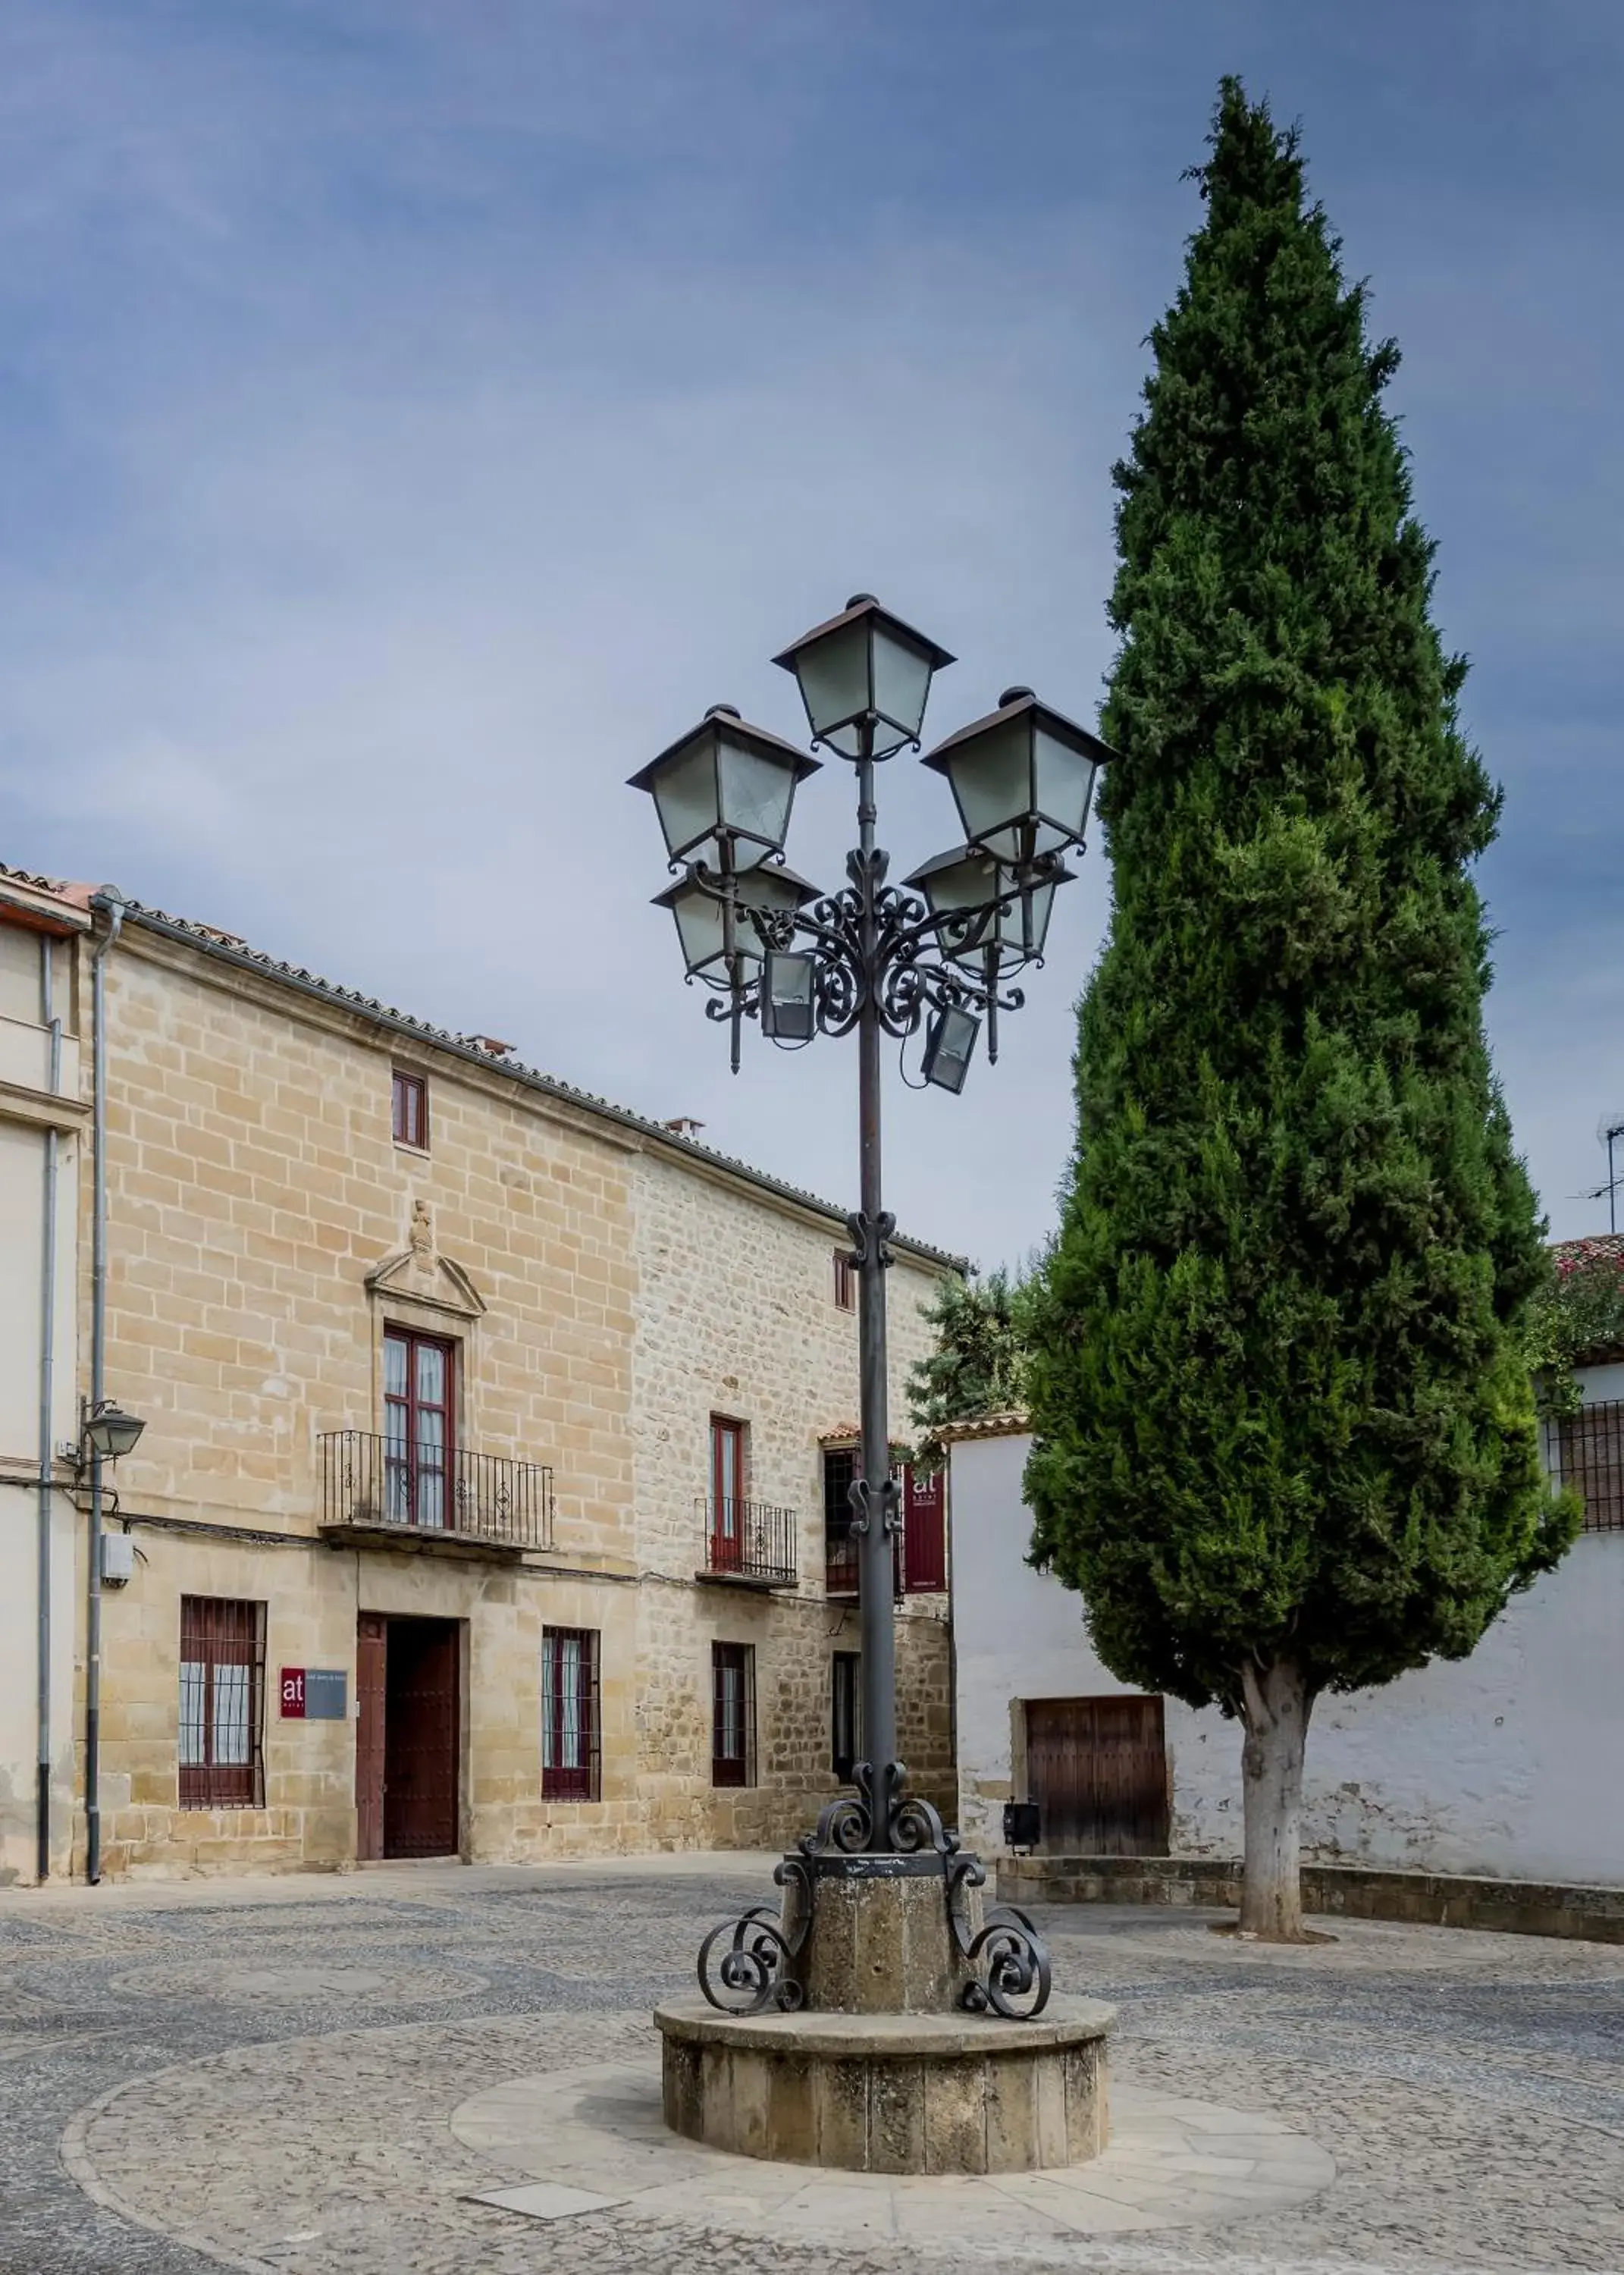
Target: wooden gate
x,y
371,1652
1097,1769
420,1739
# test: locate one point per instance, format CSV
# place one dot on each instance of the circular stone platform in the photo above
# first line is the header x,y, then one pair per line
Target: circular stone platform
x,y
593,2136
890,2093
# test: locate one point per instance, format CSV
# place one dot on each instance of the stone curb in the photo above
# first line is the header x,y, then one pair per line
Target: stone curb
x,y
1592,1915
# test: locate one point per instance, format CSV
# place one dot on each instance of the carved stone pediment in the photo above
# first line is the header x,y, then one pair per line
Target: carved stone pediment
x,y
421,1275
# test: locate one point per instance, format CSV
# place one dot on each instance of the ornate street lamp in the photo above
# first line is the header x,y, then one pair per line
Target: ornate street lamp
x,y
110,1432
937,954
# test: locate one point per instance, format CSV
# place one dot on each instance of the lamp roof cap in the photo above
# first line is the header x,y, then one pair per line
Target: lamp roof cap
x,y
1012,703
722,718
865,604
801,886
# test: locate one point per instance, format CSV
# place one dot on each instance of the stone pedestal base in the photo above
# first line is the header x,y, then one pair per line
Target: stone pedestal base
x,y
890,2093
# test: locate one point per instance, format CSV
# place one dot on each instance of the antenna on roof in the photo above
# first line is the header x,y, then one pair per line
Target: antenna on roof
x,y
1609,1131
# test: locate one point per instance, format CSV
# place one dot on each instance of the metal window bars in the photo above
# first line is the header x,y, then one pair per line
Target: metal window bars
x,y
1586,1450
222,1730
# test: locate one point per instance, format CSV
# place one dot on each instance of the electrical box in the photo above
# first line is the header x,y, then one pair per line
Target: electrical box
x,y
117,1559
1020,1824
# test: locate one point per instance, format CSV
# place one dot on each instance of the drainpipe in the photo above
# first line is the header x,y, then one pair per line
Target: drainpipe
x,y
48,1384
112,901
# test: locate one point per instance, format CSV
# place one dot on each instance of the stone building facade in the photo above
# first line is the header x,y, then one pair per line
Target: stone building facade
x,y
430,1550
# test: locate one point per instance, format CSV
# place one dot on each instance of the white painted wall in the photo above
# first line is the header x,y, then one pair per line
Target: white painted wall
x,y
24,1061
1508,1763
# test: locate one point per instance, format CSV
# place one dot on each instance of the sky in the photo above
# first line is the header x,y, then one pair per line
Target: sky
x,y
413,416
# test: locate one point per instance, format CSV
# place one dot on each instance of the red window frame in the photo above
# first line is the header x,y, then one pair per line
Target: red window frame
x,y
222,1732
417,1470
411,1109
570,1714
728,1492
733,1714
845,1281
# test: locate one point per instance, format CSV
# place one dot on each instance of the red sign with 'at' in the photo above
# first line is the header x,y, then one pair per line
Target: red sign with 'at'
x,y
293,1694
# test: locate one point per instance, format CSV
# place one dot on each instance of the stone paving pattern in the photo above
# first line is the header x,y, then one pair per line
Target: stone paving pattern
x,y
300,2055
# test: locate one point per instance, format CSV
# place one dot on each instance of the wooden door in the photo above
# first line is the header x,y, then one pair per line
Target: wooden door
x,y
420,1739
371,1680
1097,1769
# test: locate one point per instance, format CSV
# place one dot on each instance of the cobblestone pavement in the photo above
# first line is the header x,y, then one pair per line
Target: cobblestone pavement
x,y
265,2079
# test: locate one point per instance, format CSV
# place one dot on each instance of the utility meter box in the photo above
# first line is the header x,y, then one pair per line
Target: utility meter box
x,y
117,1559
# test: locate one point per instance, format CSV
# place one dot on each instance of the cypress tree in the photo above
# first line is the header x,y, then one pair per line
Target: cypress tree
x,y
1284,1436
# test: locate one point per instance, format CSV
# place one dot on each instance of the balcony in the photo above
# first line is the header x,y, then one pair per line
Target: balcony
x,y
747,1543
397,1495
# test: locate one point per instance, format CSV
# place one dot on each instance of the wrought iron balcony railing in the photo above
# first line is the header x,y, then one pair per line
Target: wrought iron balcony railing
x,y
383,1484
748,1541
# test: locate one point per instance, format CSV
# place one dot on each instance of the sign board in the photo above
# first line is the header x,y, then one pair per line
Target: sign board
x,y
314,1694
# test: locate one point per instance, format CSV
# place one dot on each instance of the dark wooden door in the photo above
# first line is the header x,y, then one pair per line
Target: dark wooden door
x,y
371,1652
420,1739
1097,1769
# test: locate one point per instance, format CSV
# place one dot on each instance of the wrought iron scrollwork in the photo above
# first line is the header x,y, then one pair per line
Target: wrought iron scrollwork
x,y
1011,1974
753,1969
907,970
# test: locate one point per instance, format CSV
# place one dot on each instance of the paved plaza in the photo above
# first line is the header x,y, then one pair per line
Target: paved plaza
x,y
313,2076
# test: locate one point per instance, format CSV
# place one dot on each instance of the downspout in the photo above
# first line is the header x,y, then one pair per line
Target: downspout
x,y
113,902
47,1387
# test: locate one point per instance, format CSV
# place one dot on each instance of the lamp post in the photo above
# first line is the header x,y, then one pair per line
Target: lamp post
x,y
878,961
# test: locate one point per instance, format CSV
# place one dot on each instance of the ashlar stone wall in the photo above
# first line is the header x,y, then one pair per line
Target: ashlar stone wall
x,y
606,1291
737,1317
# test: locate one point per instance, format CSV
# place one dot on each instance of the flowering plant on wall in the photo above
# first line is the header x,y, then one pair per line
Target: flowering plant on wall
x,y
1578,1316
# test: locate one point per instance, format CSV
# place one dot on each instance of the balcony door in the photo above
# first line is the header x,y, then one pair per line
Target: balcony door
x,y
726,1494
416,1429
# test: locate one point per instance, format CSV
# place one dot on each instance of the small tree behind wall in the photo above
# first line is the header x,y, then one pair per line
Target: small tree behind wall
x,y
979,1365
1285,1433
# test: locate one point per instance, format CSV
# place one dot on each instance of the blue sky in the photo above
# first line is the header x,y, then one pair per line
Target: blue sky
x,y
412,416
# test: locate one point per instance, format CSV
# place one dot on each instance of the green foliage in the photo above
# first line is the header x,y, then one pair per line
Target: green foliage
x,y
1280,1404
1577,1314
979,1365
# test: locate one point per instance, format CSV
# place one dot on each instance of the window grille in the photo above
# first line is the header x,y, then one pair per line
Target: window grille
x,y
733,1713
570,1743
840,1544
1586,1450
222,1704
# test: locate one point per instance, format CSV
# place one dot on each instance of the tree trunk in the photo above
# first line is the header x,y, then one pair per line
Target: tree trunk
x,y
1277,1704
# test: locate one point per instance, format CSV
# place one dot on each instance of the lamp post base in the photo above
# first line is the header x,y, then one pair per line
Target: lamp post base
x,y
890,2093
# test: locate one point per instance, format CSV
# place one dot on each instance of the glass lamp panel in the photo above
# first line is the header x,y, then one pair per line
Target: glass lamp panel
x,y
967,884
1042,902
833,674
991,776
1064,782
902,681
699,928
774,890
755,794
685,796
